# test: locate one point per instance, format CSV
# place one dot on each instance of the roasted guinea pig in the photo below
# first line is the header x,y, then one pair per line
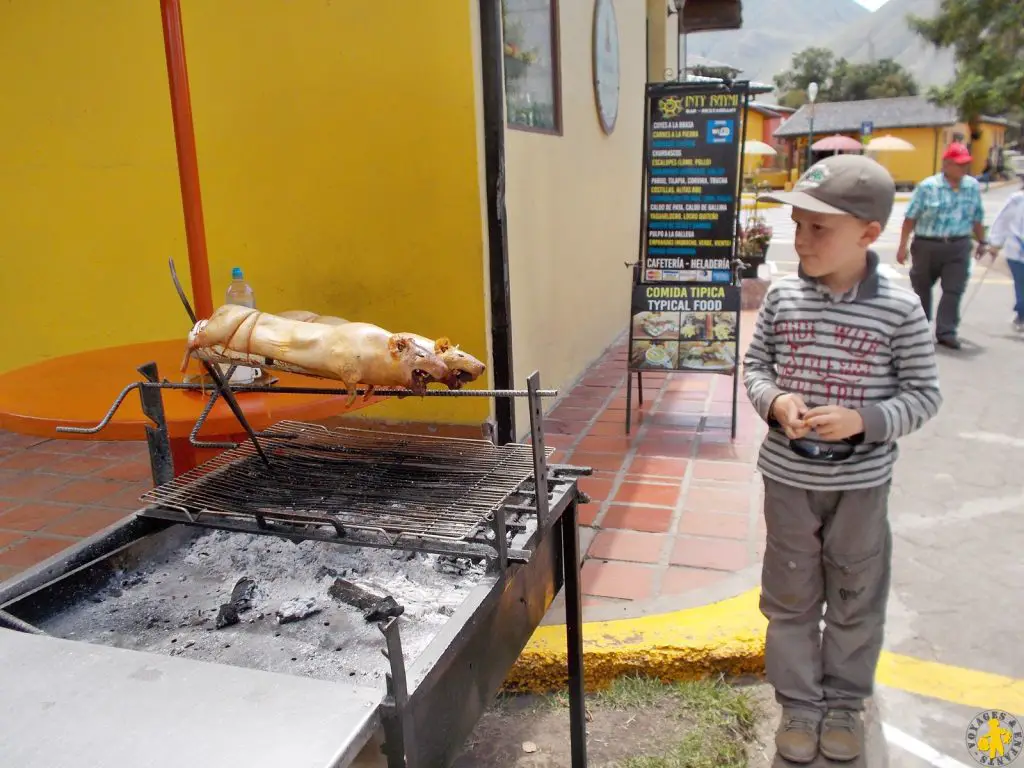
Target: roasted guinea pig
x,y
354,353
462,367
311,317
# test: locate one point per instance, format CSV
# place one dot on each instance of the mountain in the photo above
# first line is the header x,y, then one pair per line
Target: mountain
x,y
774,30
885,34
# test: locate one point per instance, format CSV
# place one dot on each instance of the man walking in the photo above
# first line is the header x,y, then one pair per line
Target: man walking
x,y
944,211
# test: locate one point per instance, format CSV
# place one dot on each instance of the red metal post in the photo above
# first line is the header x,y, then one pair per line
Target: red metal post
x,y
188,164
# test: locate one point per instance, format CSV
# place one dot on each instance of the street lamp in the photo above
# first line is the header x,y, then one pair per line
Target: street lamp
x,y
812,94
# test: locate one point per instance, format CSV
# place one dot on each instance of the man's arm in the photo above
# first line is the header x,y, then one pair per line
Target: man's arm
x,y
978,225
759,362
909,222
919,398
1002,226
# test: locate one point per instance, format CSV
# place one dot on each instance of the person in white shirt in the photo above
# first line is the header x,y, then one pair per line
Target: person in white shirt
x,y
1007,234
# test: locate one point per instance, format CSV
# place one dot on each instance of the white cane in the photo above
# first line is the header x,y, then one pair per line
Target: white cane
x,y
977,288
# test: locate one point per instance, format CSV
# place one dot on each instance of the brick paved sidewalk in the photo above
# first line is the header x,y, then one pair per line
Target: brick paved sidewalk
x,y
56,492
676,503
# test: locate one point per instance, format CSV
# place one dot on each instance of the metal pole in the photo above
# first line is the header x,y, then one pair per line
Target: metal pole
x,y
574,636
810,137
188,165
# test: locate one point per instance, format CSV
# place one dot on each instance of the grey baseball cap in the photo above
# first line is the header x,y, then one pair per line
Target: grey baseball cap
x,y
852,184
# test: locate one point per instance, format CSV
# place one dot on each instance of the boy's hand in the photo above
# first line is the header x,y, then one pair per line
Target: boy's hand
x,y
789,411
833,422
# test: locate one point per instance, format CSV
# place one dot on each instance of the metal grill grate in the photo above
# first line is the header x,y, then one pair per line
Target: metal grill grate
x,y
394,484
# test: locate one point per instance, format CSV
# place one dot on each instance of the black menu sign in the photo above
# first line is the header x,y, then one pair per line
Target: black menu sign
x,y
692,327
693,146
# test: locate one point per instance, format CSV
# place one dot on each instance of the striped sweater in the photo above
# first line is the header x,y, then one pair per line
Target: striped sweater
x,y
870,349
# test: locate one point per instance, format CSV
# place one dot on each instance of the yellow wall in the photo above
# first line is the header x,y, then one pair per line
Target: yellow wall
x,y
992,135
912,167
574,211
753,131
338,178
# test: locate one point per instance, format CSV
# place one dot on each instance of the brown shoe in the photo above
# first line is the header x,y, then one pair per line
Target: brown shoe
x,y
797,737
842,735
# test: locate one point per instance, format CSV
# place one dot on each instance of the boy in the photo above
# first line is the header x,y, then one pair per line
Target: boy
x,y
842,363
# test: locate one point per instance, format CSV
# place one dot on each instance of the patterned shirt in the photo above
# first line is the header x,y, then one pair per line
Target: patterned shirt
x,y
941,211
870,350
1008,229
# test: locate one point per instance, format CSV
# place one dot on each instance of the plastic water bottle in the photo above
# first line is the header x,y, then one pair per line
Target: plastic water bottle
x,y
240,292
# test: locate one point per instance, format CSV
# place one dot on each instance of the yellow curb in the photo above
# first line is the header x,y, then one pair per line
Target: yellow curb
x,y
728,638
970,687
725,637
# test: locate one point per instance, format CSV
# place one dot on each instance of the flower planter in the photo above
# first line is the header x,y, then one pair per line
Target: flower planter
x,y
753,261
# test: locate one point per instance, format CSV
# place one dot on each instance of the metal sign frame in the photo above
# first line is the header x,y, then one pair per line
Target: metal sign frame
x,y
657,90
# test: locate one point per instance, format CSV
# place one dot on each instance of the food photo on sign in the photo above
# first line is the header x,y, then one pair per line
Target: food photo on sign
x,y
684,327
655,355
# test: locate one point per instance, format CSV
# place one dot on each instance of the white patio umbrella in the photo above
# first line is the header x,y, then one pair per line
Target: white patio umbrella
x,y
754,147
889,143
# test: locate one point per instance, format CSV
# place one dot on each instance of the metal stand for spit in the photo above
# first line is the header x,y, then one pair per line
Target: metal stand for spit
x,y
400,745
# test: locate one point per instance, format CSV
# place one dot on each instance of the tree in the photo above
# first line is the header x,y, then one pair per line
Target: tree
x,y
811,65
988,44
875,80
839,80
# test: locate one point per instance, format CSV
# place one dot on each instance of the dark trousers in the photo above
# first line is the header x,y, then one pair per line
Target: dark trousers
x,y
949,264
831,550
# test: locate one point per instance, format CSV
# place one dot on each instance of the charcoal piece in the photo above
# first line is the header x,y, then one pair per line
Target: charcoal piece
x,y
226,616
297,609
374,605
386,609
455,566
243,593
324,572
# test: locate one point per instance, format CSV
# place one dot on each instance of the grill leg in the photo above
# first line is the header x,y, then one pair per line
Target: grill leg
x,y
394,717
574,635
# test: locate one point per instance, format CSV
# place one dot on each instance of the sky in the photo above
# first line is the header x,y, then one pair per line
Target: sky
x,y
872,5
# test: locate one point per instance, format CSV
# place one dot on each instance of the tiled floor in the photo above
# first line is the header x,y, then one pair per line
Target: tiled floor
x,y
676,504
56,492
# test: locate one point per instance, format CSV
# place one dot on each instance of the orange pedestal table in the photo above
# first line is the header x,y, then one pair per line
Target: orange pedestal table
x,y
78,390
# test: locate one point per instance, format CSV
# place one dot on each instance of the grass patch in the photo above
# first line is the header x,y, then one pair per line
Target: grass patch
x,y
723,718
698,724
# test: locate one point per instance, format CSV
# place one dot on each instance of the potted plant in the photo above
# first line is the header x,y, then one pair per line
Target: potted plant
x,y
753,244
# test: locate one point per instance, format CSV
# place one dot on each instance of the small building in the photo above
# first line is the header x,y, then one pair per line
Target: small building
x,y
468,169
927,126
762,122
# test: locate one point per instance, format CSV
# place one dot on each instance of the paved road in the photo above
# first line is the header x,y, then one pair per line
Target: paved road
x,y
958,518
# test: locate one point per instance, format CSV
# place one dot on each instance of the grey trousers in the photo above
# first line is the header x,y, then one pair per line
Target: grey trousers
x,y
831,550
948,263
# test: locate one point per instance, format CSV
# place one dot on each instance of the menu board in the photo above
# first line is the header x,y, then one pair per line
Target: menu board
x,y
692,161
690,327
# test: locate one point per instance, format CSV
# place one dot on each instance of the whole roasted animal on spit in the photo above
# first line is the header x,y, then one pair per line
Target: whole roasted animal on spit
x,y
357,354
462,366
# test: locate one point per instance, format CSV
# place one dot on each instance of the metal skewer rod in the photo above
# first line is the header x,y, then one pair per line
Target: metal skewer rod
x,y
222,386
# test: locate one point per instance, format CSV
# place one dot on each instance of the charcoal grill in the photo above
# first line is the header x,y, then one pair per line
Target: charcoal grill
x,y
302,482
